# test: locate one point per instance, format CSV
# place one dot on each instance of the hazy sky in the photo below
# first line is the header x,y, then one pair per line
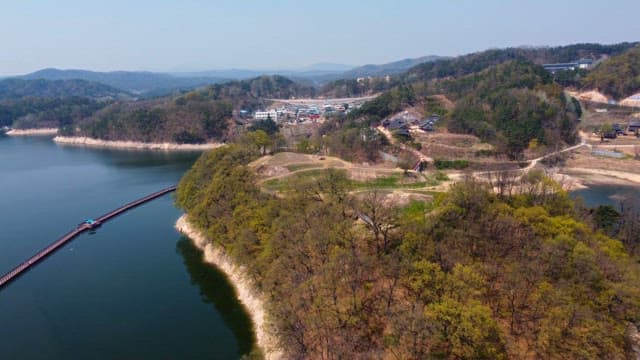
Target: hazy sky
x,y
190,35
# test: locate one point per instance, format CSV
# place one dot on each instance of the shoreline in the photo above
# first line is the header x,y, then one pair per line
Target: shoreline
x,y
245,291
587,176
32,132
136,145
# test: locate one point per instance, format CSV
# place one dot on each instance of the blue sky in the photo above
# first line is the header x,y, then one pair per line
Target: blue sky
x,y
170,35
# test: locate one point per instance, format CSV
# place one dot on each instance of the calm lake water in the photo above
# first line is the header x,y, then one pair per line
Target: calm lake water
x,y
135,289
603,194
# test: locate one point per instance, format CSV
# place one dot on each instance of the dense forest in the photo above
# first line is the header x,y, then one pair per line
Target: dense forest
x,y
194,117
49,103
13,89
618,77
510,105
42,112
473,63
522,273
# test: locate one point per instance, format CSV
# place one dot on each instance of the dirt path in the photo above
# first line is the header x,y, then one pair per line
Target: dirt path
x,y
534,162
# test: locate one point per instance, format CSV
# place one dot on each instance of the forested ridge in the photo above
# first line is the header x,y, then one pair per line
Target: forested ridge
x,y
12,89
473,63
142,83
476,62
194,117
52,103
510,105
525,273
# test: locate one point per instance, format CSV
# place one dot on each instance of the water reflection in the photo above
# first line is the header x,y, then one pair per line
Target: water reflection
x,y
216,289
128,158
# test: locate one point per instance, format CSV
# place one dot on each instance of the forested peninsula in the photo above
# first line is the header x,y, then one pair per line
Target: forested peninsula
x,y
525,272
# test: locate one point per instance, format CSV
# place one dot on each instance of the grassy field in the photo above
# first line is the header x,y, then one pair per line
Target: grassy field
x,y
296,167
392,182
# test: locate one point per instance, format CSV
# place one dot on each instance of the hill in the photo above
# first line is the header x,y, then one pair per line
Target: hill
x,y
310,72
52,103
12,89
441,67
474,275
510,105
617,77
475,62
35,112
137,82
391,68
507,105
193,117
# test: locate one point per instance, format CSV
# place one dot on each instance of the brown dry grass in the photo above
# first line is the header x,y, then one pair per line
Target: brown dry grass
x,y
583,159
443,145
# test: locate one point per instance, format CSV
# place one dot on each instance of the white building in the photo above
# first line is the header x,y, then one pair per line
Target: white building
x,y
264,115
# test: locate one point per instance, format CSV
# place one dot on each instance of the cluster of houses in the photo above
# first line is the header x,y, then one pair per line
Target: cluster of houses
x,y
634,126
288,114
400,125
616,129
300,114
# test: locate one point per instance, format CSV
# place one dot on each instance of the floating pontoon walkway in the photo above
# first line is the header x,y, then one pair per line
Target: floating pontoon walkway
x,y
17,271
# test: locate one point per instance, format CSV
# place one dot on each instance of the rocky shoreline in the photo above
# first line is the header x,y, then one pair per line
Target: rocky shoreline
x,y
91,142
245,291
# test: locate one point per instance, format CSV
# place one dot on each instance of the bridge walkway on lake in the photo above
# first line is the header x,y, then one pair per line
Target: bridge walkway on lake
x,y
85,226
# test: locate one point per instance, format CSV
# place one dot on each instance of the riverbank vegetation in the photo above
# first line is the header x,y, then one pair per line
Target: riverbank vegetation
x,y
472,275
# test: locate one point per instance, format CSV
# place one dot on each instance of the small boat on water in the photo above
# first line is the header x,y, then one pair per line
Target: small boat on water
x,y
90,223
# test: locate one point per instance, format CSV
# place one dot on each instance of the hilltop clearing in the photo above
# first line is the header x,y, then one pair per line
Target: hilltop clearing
x,y
472,275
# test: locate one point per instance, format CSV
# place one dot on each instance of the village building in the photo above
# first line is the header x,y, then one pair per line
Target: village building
x,y
634,126
264,115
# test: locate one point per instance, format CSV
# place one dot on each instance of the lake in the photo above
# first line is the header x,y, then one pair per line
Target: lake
x,y
607,194
135,289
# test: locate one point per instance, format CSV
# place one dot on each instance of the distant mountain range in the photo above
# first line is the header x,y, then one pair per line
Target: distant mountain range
x,y
14,89
150,84
391,68
310,71
136,82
